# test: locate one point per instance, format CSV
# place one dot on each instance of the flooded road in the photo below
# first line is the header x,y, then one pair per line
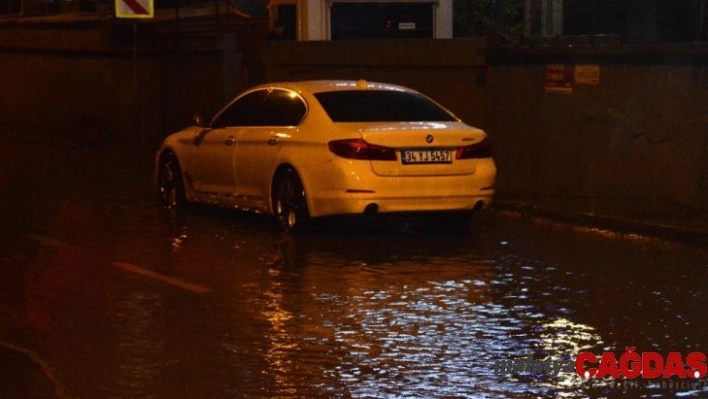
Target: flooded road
x,y
105,294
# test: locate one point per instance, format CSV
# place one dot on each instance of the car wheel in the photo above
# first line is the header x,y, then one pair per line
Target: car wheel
x,y
290,202
170,187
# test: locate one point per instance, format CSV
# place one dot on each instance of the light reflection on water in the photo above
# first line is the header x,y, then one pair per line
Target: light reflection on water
x,y
419,315
417,328
403,322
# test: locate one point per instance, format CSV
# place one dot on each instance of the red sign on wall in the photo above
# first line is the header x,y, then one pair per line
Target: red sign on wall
x,y
559,78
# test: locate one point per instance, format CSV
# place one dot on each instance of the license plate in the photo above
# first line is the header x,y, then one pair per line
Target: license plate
x,y
426,156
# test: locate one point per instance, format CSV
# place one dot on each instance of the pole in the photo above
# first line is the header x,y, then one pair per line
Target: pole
x,y
136,85
527,18
701,37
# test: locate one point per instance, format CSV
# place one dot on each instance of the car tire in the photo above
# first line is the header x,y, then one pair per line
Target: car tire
x,y
290,202
170,186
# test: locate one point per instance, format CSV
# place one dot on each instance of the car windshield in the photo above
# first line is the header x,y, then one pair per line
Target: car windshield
x,y
381,106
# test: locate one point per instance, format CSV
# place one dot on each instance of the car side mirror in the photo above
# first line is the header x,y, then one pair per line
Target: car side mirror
x,y
201,121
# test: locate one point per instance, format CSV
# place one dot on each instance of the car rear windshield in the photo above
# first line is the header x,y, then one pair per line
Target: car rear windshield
x,y
381,106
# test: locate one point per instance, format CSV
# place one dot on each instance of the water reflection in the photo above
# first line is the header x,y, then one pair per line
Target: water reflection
x,y
349,318
399,313
361,322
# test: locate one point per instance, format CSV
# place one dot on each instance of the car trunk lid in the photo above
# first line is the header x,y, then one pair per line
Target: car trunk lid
x,y
422,149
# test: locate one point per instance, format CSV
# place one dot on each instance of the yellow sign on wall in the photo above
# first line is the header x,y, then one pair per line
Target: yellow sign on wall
x,y
587,74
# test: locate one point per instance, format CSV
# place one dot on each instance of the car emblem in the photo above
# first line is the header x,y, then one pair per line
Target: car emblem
x,y
429,138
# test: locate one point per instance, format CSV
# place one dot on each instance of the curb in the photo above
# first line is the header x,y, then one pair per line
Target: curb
x,y
622,225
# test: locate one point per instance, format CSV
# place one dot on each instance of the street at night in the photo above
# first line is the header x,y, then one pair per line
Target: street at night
x,y
106,294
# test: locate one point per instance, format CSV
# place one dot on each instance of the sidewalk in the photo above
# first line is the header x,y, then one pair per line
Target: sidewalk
x,y
658,220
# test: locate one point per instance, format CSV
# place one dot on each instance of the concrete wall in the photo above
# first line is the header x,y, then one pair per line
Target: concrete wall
x,y
60,94
68,96
640,134
69,79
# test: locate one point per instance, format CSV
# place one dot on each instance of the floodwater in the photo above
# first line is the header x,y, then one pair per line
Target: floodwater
x,y
105,294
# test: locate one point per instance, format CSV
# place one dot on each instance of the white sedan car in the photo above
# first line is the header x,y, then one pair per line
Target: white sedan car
x,y
302,150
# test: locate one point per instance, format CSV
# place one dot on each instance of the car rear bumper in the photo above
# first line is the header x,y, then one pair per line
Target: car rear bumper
x,y
360,191
348,206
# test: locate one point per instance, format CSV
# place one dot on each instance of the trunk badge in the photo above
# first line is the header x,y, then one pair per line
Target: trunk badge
x,y
429,138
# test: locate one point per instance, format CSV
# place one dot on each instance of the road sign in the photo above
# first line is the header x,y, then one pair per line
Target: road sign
x,y
135,8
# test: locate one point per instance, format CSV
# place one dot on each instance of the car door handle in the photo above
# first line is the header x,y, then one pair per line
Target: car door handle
x,y
230,140
273,141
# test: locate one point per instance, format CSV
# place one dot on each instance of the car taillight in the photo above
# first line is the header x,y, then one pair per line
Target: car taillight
x,y
483,149
360,149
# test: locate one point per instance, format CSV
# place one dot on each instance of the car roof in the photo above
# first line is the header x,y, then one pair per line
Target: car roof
x,y
318,86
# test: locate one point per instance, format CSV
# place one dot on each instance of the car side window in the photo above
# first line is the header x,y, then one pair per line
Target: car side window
x,y
242,112
281,108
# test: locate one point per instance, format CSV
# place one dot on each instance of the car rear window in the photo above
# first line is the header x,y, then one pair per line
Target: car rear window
x,y
381,106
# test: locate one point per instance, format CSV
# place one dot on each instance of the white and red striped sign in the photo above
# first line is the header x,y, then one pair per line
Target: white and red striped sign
x,y
135,8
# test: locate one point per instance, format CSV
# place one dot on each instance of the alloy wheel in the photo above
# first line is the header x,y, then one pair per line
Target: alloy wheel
x,y
291,202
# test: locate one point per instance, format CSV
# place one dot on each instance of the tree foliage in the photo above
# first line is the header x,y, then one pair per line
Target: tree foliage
x,y
472,18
